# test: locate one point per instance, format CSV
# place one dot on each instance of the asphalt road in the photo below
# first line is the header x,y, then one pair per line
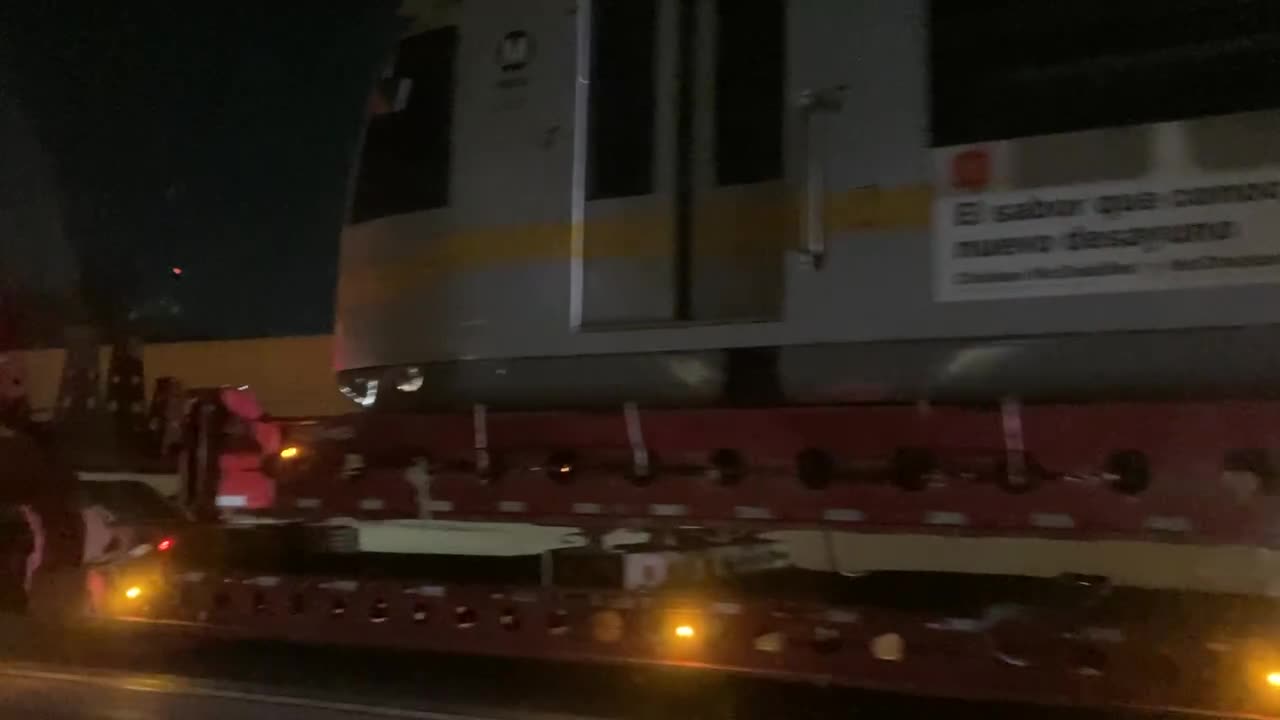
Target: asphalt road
x,y
67,694
123,675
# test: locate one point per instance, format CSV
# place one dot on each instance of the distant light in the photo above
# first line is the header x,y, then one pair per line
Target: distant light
x,y
289,453
133,593
164,544
566,469
685,631
176,271
1273,679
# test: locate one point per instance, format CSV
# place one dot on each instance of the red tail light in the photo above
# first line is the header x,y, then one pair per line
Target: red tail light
x,y
164,544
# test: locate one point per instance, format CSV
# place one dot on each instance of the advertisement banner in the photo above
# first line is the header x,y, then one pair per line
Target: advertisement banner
x,y
1197,230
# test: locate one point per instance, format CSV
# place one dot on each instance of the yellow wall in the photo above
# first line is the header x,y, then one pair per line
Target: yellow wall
x,y
290,375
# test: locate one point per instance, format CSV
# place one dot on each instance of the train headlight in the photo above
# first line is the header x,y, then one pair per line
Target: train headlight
x,y
685,632
133,592
1273,679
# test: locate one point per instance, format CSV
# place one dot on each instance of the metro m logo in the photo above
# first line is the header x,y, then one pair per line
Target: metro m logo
x,y
515,50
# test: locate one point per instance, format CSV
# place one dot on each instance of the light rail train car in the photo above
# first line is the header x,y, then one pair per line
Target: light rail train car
x,y
703,202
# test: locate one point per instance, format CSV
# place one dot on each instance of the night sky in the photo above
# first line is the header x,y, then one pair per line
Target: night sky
x,y
215,137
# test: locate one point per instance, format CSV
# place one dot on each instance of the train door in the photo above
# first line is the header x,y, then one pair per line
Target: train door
x,y
685,208
627,244
739,217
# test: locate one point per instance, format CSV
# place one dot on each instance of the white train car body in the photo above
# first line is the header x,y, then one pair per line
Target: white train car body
x,y
701,201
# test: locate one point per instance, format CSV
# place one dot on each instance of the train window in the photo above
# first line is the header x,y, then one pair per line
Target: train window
x,y
1015,68
750,88
623,99
405,163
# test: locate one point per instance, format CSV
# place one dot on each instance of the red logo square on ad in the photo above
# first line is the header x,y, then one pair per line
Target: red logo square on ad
x,y
971,169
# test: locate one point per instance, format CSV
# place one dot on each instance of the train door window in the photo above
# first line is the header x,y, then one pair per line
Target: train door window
x,y
685,161
750,63
1003,69
623,99
405,163
628,274
733,236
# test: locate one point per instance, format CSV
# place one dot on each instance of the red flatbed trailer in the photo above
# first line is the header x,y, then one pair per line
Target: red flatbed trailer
x,y
1145,473
506,273
1160,471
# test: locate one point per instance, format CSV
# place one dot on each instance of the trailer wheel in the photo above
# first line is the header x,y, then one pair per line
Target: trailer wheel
x,y
509,620
727,467
16,543
493,474
1164,671
1132,471
912,467
561,466
646,478
1088,660
815,468
379,611
1030,477
1257,462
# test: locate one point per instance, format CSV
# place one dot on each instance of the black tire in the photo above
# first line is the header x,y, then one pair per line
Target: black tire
x,y
727,467
648,477
1256,461
1132,471
561,466
494,473
911,468
815,468
1020,483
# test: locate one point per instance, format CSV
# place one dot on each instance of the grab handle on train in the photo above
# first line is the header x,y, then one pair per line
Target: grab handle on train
x,y
812,102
